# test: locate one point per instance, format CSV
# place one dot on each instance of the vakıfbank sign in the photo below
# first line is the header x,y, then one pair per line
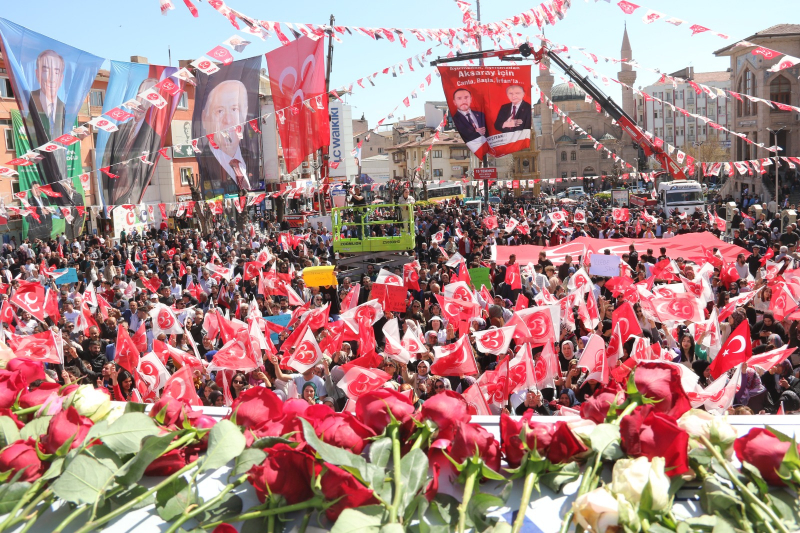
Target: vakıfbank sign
x,y
341,140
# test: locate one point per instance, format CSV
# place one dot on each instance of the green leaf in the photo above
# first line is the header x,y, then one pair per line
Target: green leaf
x,y
269,442
603,436
249,458
362,520
55,468
104,455
783,437
152,448
36,427
337,456
716,497
555,481
392,528
173,499
444,509
414,473
135,407
479,506
125,435
755,475
646,503
791,459
380,451
83,480
11,494
488,473
787,506
723,526
225,442
500,527
9,432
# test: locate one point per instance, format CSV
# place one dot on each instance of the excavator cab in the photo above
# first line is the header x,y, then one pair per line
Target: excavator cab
x,y
373,228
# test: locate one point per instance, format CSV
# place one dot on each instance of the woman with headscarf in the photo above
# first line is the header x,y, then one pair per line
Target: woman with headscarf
x,y
440,385
309,393
778,380
751,391
566,398
435,324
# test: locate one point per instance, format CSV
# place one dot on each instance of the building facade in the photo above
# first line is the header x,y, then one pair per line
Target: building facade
x,y
751,76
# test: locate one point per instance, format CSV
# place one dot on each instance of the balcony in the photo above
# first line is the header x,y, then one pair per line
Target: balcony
x,y
459,156
399,158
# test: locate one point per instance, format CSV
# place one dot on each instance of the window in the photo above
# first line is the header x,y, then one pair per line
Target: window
x,y
563,156
747,86
9,135
573,174
5,88
183,101
437,154
563,175
186,176
96,98
573,156
780,90
380,150
589,130
438,172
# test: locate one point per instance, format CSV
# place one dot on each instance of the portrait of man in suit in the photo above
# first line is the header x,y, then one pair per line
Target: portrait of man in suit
x,y
516,114
228,164
129,142
471,124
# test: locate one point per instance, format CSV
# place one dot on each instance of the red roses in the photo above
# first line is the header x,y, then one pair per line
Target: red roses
x,y
64,426
762,449
22,456
374,407
556,442
286,471
646,432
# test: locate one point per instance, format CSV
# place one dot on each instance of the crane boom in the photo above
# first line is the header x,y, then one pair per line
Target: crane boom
x,y
606,104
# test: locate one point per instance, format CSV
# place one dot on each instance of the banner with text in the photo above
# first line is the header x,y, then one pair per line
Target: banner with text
x,y
490,106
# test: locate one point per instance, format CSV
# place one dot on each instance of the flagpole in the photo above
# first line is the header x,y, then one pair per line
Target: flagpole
x,y
508,376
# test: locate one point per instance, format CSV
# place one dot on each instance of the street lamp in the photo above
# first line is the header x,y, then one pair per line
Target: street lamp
x,y
775,145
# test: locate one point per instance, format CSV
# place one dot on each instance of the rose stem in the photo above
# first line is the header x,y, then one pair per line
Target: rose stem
x,y
527,490
33,518
422,437
313,502
72,516
11,518
94,524
394,509
304,524
586,481
271,518
469,486
210,503
21,517
27,410
742,488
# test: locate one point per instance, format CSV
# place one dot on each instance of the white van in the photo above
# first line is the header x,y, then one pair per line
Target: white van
x,y
681,196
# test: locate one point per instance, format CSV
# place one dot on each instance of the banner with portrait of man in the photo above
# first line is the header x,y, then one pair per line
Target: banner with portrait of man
x,y
132,150
230,150
51,81
182,139
490,106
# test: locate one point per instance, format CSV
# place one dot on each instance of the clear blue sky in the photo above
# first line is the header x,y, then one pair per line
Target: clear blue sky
x,y
117,29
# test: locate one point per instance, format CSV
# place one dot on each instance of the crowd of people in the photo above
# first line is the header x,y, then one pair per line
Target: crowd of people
x,y
231,290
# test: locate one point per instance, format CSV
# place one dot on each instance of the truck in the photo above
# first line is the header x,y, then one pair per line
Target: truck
x,y
681,196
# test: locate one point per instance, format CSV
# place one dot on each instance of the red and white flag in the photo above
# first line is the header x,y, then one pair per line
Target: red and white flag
x,y
680,307
718,397
579,217
767,360
513,277
736,350
547,368
30,297
152,96
476,402
126,353
621,214
388,278
181,387
165,321
625,317
494,341
43,347
593,359
234,356
205,65
85,318
221,271
152,371
539,323
454,359
306,354
358,381
394,346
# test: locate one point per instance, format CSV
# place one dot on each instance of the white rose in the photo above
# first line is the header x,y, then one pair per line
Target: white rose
x,y
631,476
90,402
117,410
716,429
597,511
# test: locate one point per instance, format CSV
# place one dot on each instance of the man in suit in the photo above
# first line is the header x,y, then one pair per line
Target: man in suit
x,y
516,114
227,165
129,141
470,124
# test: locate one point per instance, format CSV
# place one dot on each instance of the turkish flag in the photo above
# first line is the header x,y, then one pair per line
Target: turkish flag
x,y
140,339
625,317
181,387
736,350
299,68
476,401
152,284
767,360
782,302
7,315
621,214
522,302
455,359
358,381
30,297
85,320
728,274
494,341
126,353
513,278
614,351
43,347
251,270
234,356
490,222
411,276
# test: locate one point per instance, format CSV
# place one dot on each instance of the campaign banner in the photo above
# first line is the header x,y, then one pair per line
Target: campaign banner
x,y
51,81
297,80
132,150
48,226
490,106
182,139
230,150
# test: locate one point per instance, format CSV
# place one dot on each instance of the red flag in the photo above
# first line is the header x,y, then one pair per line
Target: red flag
x,y
30,297
767,256
234,356
728,274
621,214
410,276
152,284
767,360
251,270
358,381
42,347
181,387
513,278
303,132
307,353
539,322
522,302
625,317
782,303
476,402
7,315
593,359
51,305
735,351
455,359
126,353
494,341
140,339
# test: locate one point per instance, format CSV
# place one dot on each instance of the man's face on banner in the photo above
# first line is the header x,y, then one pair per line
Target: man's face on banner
x,y
463,100
50,74
226,107
144,103
515,94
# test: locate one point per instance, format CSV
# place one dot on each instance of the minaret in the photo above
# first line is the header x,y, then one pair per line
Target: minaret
x,y
547,156
627,76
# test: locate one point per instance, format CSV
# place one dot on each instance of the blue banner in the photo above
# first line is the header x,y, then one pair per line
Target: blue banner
x,y
70,276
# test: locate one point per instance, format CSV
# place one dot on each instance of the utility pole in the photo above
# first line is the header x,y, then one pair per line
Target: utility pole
x,y
485,161
777,162
323,152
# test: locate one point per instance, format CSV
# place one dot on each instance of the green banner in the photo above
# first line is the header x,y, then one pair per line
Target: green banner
x,y
480,276
29,176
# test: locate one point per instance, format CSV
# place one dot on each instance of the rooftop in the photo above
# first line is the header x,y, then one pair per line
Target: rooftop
x,y
563,91
704,77
776,31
